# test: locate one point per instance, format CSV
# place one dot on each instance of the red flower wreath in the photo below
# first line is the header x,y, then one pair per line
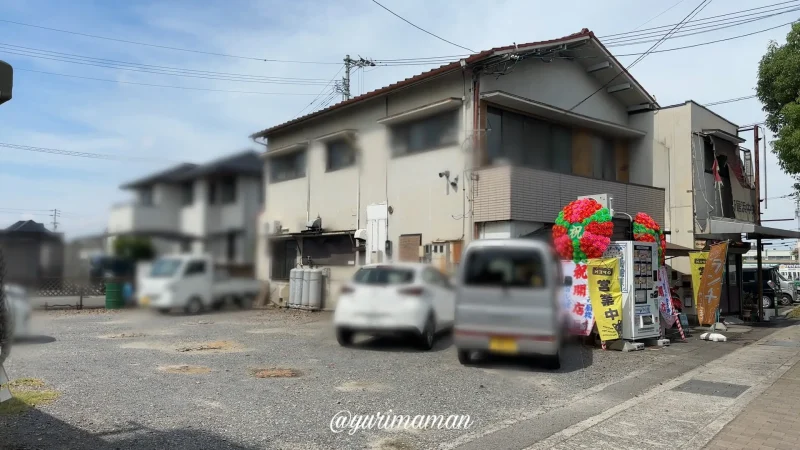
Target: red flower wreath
x,y
645,229
583,230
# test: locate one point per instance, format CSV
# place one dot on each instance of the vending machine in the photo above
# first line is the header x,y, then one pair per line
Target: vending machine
x,y
638,262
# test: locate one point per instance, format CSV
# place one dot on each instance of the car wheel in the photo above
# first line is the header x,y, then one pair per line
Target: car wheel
x,y
553,362
766,302
428,336
344,336
194,307
465,357
786,299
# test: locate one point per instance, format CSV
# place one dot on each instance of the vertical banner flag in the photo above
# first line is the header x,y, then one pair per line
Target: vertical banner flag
x,y
710,290
665,297
575,303
698,263
606,296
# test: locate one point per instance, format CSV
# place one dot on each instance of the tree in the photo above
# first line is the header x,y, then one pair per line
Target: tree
x,y
134,248
779,90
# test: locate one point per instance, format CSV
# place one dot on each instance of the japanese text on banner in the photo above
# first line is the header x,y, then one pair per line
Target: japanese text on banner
x,y
575,302
698,263
711,284
665,297
606,297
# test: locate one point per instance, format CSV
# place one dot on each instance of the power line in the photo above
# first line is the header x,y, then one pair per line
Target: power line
x,y
186,88
422,29
731,100
698,22
711,42
700,30
659,14
20,48
696,10
105,156
226,55
120,66
320,93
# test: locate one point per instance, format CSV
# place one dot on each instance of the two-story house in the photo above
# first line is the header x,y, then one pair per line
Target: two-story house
x,y
493,145
210,207
709,181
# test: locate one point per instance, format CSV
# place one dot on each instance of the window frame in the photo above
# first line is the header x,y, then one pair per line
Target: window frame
x,y
281,266
339,145
227,190
192,268
187,193
403,132
300,160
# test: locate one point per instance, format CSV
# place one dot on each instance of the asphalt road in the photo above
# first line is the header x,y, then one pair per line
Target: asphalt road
x,y
115,395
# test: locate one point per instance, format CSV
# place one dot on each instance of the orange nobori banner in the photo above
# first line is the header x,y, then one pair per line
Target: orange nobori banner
x,y
710,289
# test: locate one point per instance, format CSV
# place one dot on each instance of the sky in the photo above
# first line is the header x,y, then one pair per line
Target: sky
x,y
165,126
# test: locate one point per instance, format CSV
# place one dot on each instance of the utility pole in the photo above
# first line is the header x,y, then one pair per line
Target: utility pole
x,y
349,64
759,274
56,214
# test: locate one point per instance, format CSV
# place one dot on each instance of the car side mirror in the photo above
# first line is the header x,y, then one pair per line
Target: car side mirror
x,y
567,281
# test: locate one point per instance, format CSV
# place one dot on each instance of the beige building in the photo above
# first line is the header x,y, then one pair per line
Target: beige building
x,y
493,145
685,141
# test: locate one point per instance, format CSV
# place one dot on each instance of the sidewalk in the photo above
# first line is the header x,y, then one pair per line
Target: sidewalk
x,y
690,410
772,420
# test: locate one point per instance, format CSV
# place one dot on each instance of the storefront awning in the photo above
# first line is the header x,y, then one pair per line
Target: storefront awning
x,y
677,250
753,231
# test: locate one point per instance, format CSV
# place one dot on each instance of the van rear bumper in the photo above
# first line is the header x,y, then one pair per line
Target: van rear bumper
x,y
527,344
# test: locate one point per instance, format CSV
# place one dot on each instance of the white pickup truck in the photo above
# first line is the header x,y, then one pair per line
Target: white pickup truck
x,y
192,283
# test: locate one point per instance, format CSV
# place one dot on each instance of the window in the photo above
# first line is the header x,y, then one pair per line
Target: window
x,y
146,196
261,189
383,275
287,167
187,193
333,250
284,258
227,190
434,277
522,140
195,268
231,246
165,268
212,192
604,161
425,134
507,268
340,154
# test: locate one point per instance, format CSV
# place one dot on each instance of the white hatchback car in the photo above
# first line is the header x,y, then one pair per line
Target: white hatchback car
x,y
400,298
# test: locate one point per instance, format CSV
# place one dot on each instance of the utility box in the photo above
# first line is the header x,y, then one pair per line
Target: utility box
x,y
6,81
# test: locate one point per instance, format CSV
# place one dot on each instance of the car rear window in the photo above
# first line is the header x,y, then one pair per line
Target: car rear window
x,y
505,267
384,275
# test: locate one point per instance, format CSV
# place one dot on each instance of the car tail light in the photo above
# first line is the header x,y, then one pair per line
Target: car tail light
x,y
347,290
412,291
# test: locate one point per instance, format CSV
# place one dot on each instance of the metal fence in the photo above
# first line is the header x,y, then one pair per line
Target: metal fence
x,y
67,287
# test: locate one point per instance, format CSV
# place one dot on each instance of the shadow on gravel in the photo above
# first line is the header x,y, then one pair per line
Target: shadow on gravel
x,y
402,344
575,356
32,340
36,430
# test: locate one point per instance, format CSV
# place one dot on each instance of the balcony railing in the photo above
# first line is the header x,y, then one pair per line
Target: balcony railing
x,y
518,193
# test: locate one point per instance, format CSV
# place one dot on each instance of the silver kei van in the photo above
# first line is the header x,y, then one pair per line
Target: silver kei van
x,y
507,301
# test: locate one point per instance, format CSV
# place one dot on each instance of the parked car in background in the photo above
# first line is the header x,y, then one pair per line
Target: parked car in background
x,y
191,282
20,307
410,299
770,284
507,300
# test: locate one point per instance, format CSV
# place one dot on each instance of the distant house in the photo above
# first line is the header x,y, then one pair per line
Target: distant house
x,y
33,254
210,207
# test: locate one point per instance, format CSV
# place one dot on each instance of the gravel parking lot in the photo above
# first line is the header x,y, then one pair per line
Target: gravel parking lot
x,y
135,379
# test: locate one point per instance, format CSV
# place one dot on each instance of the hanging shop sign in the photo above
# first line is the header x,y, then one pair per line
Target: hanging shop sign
x,y
606,297
711,284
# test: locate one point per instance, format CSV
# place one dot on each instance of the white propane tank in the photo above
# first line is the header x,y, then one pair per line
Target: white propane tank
x,y
295,287
306,288
315,288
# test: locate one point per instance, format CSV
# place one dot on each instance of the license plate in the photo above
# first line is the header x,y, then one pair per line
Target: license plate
x,y
144,301
502,345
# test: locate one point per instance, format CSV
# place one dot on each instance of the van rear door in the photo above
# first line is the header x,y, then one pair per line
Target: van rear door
x,y
507,291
